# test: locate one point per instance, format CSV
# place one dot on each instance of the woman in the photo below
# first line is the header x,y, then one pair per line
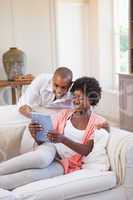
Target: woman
x,y
71,140
74,129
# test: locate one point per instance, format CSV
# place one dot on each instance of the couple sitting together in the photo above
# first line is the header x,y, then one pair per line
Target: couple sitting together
x,y
73,136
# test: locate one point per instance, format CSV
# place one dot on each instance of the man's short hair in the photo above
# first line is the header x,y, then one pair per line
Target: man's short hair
x,y
64,72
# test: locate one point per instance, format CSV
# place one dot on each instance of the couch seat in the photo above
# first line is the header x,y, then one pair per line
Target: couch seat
x,y
6,195
82,182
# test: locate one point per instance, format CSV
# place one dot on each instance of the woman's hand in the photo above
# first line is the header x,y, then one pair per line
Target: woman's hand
x,y
55,137
34,127
83,149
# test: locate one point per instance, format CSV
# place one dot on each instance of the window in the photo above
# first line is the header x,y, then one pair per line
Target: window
x,y
72,27
121,9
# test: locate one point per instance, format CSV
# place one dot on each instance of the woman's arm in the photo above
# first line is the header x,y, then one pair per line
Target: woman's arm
x,y
82,149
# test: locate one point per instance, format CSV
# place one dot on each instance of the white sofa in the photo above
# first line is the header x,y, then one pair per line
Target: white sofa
x,y
84,184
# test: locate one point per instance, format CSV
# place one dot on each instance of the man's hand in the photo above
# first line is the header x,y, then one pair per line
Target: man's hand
x,y
55,137
25,110
103,125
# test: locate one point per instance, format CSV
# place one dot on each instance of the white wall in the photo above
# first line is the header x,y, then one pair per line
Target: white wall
x,y
5,30
27,24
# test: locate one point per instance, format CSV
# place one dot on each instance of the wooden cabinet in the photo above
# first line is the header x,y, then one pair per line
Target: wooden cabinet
x,y
131,36
126,101
126,83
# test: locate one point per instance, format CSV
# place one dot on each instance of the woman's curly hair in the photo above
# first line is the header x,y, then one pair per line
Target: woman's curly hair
x,y
90,87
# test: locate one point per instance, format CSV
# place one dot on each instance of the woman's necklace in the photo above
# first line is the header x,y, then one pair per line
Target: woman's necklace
x,y
82,113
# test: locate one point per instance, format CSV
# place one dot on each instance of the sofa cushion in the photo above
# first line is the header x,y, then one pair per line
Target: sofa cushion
x,y
82,182
10,139
98,158
6,195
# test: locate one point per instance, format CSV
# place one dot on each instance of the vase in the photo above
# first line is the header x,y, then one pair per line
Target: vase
x,y
14,61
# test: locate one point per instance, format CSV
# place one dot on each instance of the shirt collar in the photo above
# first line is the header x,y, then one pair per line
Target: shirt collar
x,y
49,86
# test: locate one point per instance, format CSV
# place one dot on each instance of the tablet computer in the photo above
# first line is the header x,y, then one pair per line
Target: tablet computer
x,y
46,122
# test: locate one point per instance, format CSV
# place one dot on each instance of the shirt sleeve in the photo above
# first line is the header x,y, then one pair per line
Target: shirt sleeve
x,y
31,96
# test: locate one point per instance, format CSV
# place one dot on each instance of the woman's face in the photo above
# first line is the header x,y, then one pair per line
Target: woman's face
x,y
80,101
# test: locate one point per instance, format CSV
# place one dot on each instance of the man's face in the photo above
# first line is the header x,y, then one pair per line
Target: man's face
x,y
60,86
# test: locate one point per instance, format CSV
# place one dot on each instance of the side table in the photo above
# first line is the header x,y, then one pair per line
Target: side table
x,y
16,87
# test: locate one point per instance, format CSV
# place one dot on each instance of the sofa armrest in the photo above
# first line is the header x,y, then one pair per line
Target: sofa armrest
x,y
128,181
120,150
10,116
129,167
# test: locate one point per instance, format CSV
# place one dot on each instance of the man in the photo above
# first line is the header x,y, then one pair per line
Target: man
x,y
47,92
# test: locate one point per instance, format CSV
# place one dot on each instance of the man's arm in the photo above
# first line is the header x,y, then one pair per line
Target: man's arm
x,y
31,96
105,125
